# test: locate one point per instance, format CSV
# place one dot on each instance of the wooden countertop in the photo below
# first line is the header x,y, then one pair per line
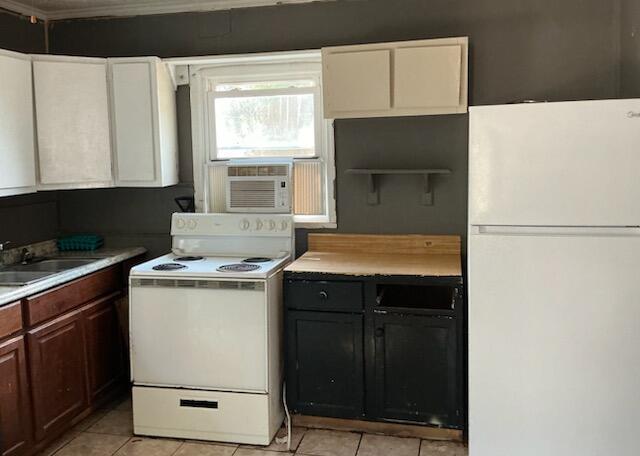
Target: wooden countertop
x,y
367,255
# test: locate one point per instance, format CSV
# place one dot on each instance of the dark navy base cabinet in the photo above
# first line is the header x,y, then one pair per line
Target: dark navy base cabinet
x,y
326,372
379,348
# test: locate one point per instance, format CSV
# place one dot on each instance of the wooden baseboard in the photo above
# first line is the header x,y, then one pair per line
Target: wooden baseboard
x,y
378,427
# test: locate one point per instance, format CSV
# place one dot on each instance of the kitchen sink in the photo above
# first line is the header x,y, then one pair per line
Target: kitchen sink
x,y
19,278
25,274
55,265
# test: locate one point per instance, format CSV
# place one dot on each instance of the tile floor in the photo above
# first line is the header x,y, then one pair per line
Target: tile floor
x,y
108,432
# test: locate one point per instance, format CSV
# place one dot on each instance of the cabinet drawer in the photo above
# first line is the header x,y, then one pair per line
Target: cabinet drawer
x,y
322,295
54,302
10,319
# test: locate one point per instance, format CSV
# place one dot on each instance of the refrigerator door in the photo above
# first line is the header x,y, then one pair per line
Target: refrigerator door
x,y
554,342
561,164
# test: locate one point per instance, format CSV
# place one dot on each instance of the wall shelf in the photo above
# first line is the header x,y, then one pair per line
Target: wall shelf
x,y
373,195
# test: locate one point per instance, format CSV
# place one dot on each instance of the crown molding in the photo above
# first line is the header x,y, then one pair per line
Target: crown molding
x,y
145,8
24,9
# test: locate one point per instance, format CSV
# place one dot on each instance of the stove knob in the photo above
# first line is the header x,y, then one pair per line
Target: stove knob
x,y
191,224
284,225
245,224
271,225
180,223
258,224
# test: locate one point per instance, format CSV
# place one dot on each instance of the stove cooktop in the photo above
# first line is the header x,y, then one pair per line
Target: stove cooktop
x,y
238,267
192,266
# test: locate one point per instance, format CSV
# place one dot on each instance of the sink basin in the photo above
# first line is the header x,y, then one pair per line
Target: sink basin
x,y
24,274
55,265
20,278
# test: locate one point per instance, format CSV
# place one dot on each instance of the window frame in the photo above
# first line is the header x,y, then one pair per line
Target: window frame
x,y
293,65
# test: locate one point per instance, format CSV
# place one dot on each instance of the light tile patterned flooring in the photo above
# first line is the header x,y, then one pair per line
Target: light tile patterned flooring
x,y
108,432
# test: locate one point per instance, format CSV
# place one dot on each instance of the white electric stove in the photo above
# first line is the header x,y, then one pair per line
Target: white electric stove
x,y
206,330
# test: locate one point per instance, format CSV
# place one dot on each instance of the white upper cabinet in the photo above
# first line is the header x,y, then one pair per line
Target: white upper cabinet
x,y
395,79
17,155
359,81
72,122
144,126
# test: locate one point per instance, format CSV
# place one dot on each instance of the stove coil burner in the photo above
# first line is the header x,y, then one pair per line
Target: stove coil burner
x,y
238,267
189,258
168,267
256,260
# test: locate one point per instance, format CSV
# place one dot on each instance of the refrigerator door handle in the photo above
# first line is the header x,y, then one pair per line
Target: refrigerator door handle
x,y
513,230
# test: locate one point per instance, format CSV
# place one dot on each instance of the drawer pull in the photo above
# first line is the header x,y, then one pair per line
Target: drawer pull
x,y
198,404
323,295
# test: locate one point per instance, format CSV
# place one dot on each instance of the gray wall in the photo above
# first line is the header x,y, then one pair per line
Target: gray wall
x,y
630,48
26,218
545,50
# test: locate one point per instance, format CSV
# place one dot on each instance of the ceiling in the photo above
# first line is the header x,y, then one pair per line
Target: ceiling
x,y
66,9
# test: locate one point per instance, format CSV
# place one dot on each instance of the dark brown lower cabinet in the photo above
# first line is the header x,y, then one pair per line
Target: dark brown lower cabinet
x,y
15,404
58,367
104,351
416,368
326,375
62,355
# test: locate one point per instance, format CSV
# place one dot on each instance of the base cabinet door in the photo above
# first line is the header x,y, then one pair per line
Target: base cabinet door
x,y
15,404
325,364
415,369
58,373
105,361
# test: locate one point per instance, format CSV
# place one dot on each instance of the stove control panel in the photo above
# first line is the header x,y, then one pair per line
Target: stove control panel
x,y
231,224
264,225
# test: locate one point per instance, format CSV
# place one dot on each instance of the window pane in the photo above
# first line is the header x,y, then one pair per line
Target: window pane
x,y
264,85
269,126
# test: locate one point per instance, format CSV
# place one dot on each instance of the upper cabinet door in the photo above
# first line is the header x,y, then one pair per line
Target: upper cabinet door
x,y
73,130
17,156
405,78
427,76
356,81
144,123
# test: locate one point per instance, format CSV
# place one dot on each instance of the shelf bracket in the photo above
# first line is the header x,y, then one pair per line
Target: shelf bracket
x,y
373,195
427,194
373,191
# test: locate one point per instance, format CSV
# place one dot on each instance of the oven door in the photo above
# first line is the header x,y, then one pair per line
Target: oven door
x,y
206,334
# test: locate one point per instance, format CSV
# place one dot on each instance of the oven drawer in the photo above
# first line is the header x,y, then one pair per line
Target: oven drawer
x,y
324,295
201,415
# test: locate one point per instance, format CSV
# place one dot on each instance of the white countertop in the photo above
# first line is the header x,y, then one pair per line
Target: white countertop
x,y
107,257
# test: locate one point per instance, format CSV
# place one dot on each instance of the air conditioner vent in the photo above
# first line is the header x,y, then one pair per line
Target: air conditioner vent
x,y
252,193
258,170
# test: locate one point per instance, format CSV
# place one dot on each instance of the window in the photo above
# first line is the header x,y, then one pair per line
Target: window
x,y
260,108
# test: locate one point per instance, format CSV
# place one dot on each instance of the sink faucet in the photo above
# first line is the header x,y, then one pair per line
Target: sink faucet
x,y
3,247
26,256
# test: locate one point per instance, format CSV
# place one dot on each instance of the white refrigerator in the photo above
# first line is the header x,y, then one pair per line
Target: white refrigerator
x,y
554,279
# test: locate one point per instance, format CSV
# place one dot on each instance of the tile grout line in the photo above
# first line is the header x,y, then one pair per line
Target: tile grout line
x,y
182,442
359,442
121,446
